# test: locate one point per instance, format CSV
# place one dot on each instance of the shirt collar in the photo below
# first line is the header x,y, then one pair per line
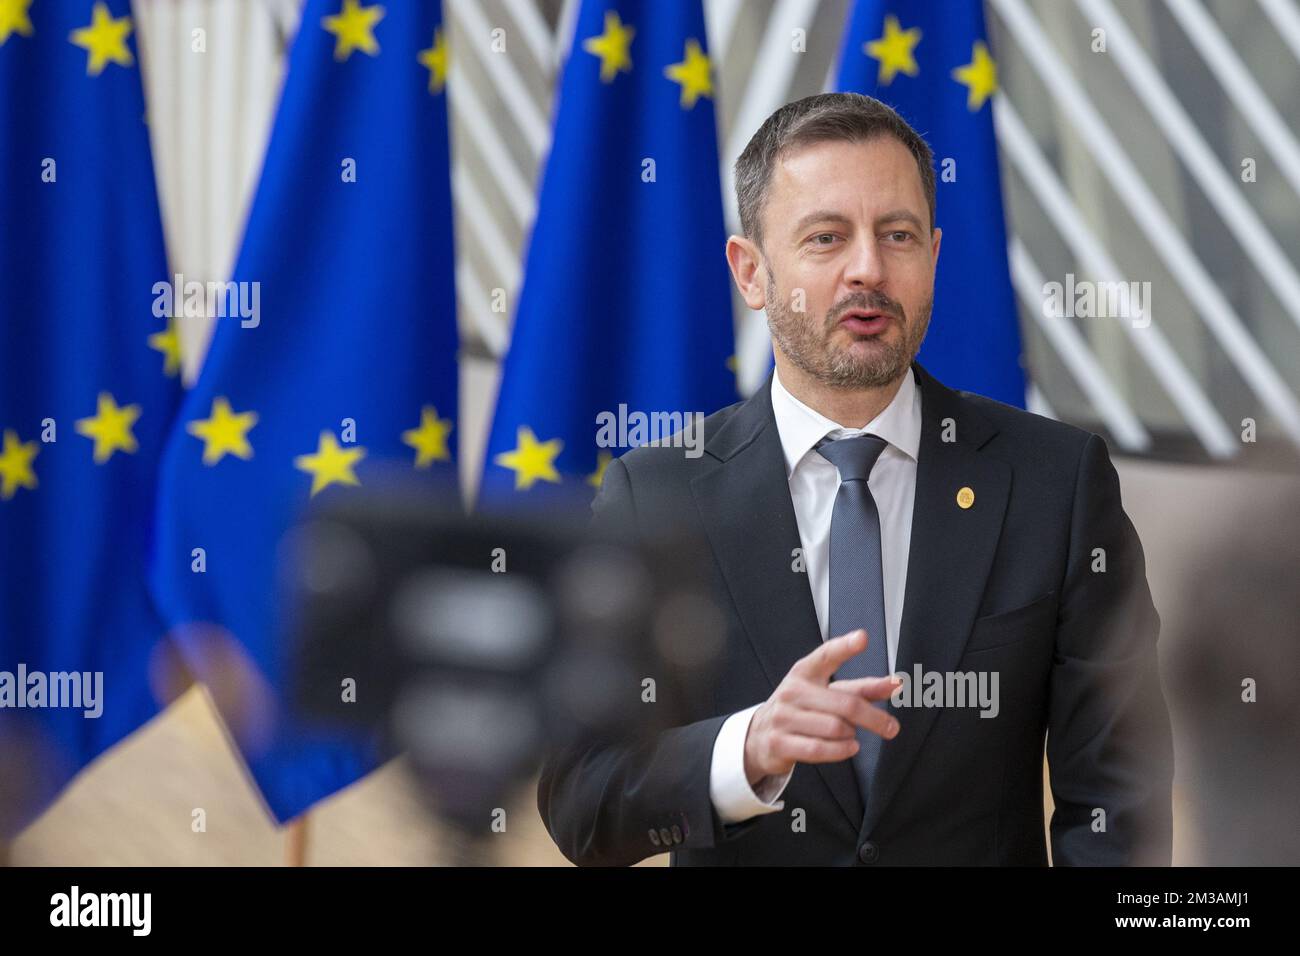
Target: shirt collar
x,y
801,428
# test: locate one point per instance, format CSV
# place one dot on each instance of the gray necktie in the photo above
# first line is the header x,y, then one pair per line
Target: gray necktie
x,y
857,577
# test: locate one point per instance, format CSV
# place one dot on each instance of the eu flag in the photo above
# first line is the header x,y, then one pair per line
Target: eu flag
x,y
624,326
932,63
344,366
88,383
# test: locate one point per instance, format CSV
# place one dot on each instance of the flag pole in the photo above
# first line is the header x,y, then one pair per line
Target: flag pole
x,y
295,852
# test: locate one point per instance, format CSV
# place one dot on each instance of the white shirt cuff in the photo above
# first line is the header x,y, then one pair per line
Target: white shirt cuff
x,y
733,797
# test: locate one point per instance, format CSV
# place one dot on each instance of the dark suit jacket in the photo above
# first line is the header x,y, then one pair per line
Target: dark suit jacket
x,y
1013,584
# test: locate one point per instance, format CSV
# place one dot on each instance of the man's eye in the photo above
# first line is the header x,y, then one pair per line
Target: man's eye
x,y
824,238
900,236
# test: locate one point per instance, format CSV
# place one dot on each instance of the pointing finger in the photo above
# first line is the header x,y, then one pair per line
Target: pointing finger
x,y
869,688
821,663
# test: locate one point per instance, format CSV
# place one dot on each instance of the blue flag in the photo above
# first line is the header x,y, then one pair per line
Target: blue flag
x,y
624,327
340,363
932,63
88,384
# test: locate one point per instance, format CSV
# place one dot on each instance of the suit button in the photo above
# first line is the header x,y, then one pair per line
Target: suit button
x,y
868,852
677,833
665,836
654,837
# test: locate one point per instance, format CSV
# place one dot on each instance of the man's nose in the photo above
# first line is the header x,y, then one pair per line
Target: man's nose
x,y
865,268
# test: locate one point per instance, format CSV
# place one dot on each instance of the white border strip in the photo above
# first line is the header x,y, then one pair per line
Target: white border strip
x,y
1262,250
1221,319
1246,94
1286,19
1075,353
501,71
1150,343
468,110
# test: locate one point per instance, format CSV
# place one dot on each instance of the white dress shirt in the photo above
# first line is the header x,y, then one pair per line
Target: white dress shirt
x,y
814,483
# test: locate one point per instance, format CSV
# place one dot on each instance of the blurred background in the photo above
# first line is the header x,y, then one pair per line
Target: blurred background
x,y
1171,157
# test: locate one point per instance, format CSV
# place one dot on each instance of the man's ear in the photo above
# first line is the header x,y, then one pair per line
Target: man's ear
x,y
746,262
935,235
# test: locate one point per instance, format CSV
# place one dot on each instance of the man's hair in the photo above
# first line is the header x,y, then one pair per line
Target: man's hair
x,y
826,117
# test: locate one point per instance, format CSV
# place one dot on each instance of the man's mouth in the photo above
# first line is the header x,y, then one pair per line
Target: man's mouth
x,y
865,321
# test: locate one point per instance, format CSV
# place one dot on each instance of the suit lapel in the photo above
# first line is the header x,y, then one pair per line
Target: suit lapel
x,y
745,507
949,559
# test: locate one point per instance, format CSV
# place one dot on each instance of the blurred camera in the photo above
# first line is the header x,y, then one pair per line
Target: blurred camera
x,y
474,646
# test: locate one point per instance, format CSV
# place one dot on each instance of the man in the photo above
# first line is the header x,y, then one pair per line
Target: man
x,y
983,550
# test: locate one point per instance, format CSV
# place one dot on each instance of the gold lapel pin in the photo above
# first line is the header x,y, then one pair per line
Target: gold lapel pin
x,y
965,498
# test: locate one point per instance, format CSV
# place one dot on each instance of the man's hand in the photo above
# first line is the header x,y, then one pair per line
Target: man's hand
x,y
810,719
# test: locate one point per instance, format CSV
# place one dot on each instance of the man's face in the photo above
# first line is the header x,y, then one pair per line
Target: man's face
x,y
850,261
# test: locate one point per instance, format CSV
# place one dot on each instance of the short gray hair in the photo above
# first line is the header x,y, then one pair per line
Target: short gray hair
x,y
826,117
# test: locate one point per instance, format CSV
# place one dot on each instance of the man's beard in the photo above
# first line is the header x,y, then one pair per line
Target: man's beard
x,y
807,343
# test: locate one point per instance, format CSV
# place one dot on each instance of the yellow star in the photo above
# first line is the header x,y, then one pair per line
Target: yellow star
x,y
16,465
110,427
612,47
894,50
602,462
531,460
354,27
430,439
733,365
435,58
980,76
13,19
223,433
168,342
331,464
105,39
693,75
